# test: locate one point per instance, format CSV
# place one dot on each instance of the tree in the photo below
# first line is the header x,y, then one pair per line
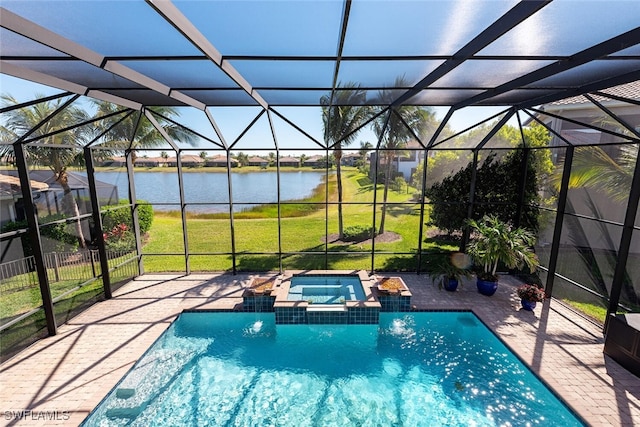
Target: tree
x,y
343,114
242,158
144,134
19,121
365,147
272,159
593,168
303,158
497,185
394,132
203,155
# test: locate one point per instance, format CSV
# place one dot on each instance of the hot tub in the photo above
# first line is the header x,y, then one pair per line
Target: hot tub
x,y
326,288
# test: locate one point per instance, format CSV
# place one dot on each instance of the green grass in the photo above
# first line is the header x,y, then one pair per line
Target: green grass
x,y
304,226
593,311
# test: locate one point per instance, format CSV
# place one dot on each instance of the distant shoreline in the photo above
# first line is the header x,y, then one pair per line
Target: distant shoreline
x,y
173,169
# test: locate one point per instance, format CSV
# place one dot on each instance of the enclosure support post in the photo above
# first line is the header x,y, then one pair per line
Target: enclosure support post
x,y
625,242
97,223
34,236
557,231
231,221
472,196
326,211
134,209
183,214
422,195
522,187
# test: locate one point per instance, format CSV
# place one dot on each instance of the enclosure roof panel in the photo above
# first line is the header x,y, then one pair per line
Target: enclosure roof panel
x,y
292,53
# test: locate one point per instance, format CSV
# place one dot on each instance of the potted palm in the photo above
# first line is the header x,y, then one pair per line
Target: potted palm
x,y
495,241
448,273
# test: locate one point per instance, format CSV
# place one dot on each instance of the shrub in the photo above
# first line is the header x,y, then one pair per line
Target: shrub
x,y
496,192
122,215
357,233
55,237
119,238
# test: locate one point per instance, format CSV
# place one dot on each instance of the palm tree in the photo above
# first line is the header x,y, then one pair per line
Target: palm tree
x,y
19,121
303,158
342,116
146,135
365,147
593,168
242,158
394,134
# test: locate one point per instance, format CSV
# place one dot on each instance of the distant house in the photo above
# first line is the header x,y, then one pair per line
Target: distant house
x,y
114,162
315,161
11,209
257,161
221,162
403,165
289,161
47,196
151,162
412,157
10,192
350,159
187,160
49,200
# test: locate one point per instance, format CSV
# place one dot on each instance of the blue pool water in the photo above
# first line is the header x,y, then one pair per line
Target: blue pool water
x,y
414,369
326,289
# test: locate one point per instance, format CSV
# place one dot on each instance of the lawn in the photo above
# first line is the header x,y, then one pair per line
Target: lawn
x,y
302,237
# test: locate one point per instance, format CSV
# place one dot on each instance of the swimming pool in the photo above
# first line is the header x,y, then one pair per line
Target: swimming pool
x,y
325,289
421,368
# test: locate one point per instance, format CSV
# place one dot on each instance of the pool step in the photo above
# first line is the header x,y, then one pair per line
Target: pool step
x,y
326,308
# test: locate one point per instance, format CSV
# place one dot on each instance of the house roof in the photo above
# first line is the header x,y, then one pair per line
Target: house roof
x,y
46,177
289,159
187,158
10,185
628,91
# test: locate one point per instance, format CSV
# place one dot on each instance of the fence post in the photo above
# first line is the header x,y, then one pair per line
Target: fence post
x,y
93,264
56,266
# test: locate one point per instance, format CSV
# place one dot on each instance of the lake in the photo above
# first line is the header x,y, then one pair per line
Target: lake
x,y
249,189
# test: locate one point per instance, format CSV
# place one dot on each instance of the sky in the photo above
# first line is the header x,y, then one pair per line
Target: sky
x,y
233,120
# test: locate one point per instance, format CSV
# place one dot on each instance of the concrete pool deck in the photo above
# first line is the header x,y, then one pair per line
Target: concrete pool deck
x,y
60,379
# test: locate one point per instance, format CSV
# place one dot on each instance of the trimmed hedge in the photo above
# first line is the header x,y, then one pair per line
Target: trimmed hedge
x,y
357,233
122,215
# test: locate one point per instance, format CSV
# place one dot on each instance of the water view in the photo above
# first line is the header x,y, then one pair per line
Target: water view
x,y
249,189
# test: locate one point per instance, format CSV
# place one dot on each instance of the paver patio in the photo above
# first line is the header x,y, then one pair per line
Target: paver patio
x,y
60,379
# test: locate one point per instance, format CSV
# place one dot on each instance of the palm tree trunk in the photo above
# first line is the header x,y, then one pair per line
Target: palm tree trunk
x,y
387,178
338,159
69,205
